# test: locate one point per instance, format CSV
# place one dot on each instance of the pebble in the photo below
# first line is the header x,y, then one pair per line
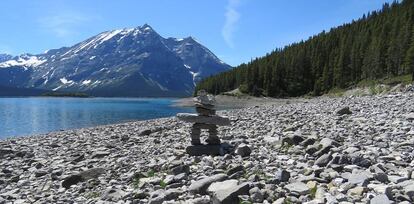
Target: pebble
x,y
243,150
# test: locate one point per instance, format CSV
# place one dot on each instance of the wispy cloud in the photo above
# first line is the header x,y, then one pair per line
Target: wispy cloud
x,y
232,17
5,49
64,24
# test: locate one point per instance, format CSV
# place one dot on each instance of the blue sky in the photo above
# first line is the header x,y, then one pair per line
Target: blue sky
x,y
235,30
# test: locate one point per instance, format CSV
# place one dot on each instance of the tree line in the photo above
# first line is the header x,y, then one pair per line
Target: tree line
x,y
378,45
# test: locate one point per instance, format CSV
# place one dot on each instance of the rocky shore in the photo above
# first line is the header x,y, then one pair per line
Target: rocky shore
x,y
322,150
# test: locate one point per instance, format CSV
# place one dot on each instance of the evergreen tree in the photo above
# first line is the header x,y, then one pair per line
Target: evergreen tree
x,y
379,45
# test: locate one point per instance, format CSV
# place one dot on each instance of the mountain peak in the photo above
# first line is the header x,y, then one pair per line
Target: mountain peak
x,y
192,40
124,62
146,27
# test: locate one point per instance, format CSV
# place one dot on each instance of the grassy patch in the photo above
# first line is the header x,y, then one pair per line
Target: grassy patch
x,y
313,192
287,201
258,173
403,79
92,195
136,180
336,92
372,86
138,176
163,184
378,89
245,202
286,147
151,173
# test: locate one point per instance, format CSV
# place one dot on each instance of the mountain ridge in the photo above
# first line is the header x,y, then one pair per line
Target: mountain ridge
x,y
124,62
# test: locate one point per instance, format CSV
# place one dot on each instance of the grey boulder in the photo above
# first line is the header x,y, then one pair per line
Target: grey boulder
x,y
227,192
200,186
243,150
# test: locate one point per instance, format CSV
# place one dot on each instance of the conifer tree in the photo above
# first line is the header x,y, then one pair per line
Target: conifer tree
x,y
379,45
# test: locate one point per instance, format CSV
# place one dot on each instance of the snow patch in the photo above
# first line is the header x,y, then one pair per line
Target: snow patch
x,y
45,75
109,35
65,81
195,74
96,82
53,73
86,82
27,61
94,42
136,32
65,58
125,33
55,89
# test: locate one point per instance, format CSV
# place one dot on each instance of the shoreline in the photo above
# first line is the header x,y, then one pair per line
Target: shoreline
x,y
145,161
224,102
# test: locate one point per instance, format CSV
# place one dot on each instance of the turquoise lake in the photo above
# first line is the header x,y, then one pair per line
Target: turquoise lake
x,y
38,115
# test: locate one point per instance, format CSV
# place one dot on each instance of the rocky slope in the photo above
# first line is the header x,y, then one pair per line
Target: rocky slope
x,y
330,154
126,62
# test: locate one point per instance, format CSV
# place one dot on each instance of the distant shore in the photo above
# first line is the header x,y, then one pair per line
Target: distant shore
x,y
233,102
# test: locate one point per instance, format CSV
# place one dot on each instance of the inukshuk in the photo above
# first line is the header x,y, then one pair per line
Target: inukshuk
x,y
205,118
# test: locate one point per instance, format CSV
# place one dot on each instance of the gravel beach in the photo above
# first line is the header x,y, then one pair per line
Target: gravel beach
x,y
321,150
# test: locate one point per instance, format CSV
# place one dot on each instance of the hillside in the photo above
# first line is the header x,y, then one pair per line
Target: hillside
x,y
379,45
133,62
13,91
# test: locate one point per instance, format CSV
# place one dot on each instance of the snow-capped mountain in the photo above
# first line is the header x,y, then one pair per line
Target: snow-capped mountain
x,y
126,62
5,57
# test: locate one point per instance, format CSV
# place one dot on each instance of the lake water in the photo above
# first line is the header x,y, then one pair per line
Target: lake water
x,y
37,115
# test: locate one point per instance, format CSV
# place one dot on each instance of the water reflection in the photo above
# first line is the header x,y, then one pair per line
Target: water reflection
x,y
28,116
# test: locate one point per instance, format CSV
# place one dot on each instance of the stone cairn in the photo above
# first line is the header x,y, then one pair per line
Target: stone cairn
x,y
205,118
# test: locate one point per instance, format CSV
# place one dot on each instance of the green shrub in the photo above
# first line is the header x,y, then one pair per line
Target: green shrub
x,y
163,184
244,88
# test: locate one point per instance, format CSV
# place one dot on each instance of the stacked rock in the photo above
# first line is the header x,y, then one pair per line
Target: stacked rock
x,y
205,118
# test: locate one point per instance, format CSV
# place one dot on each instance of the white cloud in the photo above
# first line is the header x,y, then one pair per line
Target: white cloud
x,y
64,24
232,18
